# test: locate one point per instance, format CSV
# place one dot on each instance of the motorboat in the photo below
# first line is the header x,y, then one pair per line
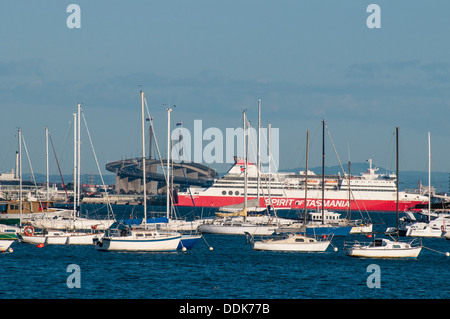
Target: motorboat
x,y
382,248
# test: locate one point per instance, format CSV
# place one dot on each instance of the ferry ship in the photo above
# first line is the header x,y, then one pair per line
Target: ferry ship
x,y
369,191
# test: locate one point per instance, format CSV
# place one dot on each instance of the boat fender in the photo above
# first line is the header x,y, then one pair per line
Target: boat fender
x,y
29,231
443,228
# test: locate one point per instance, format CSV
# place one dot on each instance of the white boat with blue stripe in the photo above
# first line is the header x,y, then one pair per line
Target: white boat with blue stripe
x,y
143,237
139,239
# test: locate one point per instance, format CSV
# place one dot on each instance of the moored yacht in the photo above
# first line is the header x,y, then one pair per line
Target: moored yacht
x,y
385,248
144,237
382,248
292,242
139,239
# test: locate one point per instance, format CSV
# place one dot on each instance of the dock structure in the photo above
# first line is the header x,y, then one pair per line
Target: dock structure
x,y
129,175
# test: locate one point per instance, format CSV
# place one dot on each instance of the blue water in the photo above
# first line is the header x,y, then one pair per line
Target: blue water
x,y
231,270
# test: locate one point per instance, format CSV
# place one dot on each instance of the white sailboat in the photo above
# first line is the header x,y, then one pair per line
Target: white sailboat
x,y
385,248
142,238
238,222
188,229
324,222
292,242
5,244
358,226
237,226
62,229
8,235
436,223
58,237
63,223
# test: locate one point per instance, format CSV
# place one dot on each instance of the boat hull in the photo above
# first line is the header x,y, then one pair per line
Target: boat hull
x,y
84,239
165,244
319,246
383,248
384,253
5,244
257,230
362,229
188,241
428,232
61,238
35,239
328,230
79,223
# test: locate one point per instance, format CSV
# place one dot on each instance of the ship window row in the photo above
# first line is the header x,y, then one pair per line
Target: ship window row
x,y
284,188
236,193
354,187
230,193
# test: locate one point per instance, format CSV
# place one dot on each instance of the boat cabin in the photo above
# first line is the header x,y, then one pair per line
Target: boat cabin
x,y
13,207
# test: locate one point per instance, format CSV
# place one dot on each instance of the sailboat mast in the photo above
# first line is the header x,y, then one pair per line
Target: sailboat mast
x,y
20,176
245,162
259,149
429,177
349,194
270,148
78,154
323,171
168,163
396,152
74,164
270,160
306,177
144,181
46,160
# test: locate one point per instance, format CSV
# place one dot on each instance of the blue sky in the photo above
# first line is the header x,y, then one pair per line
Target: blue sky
x,y
305,60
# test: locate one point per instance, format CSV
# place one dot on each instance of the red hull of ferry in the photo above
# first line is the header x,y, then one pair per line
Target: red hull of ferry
x,y
296,203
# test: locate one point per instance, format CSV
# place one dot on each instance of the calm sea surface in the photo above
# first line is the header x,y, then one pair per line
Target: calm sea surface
x,y
231,270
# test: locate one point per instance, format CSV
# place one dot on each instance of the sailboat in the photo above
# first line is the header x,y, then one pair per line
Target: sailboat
x,y
292,242
145,237
58,237
188,229
436,223
325,222
22,208
358,226
62,229
239,222
385,248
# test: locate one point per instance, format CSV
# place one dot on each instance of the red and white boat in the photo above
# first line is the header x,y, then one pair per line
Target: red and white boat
x,y
370,191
